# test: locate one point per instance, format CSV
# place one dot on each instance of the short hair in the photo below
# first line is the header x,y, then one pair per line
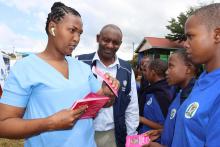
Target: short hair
x,y
183,55
209,15
143,64
147,57
111,26
159,66
197,68
58,11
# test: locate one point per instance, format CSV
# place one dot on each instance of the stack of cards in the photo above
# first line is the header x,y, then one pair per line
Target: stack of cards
x,y
137,140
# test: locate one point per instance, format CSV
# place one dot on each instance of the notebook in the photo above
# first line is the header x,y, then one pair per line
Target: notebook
x,y
94,102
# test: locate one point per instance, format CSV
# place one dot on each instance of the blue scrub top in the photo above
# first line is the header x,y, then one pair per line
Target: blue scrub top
x,y
37,86
152,111
169,125
198,118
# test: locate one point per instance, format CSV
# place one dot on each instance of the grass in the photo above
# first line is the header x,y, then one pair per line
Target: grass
x,y
11,143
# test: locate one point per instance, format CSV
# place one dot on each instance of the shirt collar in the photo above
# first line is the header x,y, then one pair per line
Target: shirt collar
x,y
96,58
207,79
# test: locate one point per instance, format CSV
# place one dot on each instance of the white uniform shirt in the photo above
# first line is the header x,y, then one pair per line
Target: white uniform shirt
x,y
105,120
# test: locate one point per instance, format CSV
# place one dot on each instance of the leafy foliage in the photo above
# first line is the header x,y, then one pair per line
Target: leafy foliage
x,y
176,26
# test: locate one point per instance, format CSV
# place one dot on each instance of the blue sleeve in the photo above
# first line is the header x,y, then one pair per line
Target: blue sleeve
x,y
213,128
157,110
86,71
16,90
95,85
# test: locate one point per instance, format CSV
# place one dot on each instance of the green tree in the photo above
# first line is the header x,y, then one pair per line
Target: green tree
x,y
133,62
176,26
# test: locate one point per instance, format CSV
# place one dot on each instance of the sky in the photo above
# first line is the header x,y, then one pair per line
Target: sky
x,y
22,22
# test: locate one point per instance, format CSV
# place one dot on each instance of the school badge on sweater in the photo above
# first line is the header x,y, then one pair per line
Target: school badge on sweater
x,y
191,110
149,102
172,113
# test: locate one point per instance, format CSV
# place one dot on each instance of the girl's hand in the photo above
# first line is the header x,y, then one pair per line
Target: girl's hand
x,y
153,144
153,134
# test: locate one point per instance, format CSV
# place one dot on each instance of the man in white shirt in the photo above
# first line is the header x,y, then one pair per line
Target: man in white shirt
x,y
114,123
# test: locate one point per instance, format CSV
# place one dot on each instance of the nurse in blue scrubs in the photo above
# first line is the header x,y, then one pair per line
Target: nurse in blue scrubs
x,y
41,88
197,122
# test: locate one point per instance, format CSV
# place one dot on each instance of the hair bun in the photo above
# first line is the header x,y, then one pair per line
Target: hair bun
x,y
56,5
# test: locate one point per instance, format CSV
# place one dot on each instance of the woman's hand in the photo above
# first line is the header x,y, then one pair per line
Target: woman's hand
x,y
25,128
66,118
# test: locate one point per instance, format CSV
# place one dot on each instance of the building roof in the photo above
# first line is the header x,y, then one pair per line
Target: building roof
x,y
154,42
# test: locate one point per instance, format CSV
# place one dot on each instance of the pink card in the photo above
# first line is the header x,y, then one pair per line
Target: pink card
x,y
102,75
93,101
137,140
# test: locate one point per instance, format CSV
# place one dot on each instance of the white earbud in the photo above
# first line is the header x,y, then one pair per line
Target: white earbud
x,y
52,31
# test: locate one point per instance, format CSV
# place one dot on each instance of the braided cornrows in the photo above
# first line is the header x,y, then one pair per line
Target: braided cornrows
x,y
58,11
188,62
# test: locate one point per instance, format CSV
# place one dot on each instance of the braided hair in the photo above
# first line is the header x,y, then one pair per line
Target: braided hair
x,y
58,11
197,68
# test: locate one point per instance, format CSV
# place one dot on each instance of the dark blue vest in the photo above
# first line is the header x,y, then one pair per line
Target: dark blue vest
x,y
123,99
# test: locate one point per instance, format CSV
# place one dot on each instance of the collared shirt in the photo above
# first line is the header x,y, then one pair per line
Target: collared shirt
x,y
197,121
169,124
105,120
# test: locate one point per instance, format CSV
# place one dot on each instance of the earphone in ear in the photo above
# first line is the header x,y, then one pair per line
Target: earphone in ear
x,y
52,31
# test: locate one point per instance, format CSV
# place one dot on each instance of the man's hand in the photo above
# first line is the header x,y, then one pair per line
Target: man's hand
x,y
106,90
